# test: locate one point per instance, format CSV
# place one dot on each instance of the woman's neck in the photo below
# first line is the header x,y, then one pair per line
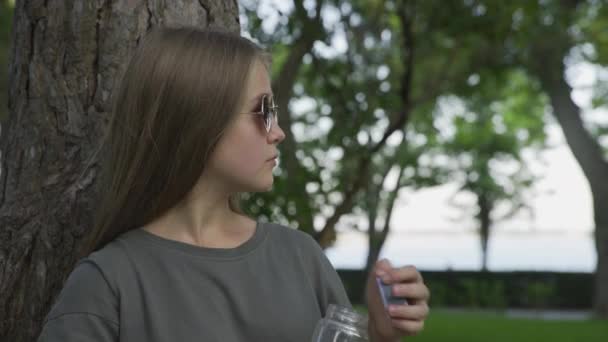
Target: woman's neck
x,y
213,226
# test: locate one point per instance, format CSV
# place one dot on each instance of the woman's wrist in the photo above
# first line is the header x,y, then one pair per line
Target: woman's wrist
x,y
374,335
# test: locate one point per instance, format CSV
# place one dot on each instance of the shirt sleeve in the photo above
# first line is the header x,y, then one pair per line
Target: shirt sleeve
x,y
86,309
329,287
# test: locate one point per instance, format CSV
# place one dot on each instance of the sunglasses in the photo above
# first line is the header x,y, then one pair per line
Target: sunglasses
x,y
268,111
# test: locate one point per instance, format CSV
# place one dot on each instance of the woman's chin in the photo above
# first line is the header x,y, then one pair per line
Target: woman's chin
x,y
265,186
268,186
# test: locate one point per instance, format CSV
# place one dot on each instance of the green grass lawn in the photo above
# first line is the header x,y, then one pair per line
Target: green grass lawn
x,y
444,326
472,327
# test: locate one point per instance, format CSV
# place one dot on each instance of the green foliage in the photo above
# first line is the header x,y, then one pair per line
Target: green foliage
x,y
592,28
474,96
500,118
600,95
539,293
484,293
354,93
440,293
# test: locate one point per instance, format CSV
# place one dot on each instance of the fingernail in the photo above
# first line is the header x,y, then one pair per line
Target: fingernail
x,y
380,273
394,290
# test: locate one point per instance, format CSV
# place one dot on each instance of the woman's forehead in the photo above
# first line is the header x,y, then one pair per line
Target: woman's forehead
x,y
258,84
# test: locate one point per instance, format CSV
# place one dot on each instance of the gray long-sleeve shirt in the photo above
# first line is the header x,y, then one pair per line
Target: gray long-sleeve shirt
x,y
142,287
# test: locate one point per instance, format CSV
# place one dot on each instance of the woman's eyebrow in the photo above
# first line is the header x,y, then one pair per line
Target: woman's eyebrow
x,y
259,96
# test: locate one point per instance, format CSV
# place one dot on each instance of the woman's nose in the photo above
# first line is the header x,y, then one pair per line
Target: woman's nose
x,y
276,134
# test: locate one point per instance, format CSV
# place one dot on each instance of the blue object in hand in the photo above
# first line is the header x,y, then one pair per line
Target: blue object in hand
x,y
387,295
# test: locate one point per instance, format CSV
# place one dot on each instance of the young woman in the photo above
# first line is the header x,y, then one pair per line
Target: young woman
x,y
172,256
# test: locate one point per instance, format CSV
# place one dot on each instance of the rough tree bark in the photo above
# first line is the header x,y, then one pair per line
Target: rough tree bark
x,y
63,64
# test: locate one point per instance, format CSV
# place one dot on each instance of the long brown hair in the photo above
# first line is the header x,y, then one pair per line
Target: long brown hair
x,y
181,89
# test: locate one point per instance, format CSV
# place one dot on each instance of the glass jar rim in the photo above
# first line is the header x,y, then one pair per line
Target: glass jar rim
x,y
348,317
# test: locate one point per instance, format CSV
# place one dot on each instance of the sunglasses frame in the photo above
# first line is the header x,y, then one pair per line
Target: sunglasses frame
x,y
268,105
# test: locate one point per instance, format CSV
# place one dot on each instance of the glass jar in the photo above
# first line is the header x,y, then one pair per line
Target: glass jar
x,y
341,324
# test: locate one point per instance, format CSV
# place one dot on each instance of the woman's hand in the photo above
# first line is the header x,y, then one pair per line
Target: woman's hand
x,y
398,320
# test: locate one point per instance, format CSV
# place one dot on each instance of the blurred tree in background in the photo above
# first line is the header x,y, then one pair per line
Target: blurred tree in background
x,y
542,38
501,117
379,77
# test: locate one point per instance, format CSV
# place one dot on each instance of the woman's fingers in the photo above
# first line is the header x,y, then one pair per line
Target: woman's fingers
x,y
416,291
393,275
417,312
408,328
405,274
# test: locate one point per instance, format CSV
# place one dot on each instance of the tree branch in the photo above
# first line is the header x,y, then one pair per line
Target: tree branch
x,y
327,235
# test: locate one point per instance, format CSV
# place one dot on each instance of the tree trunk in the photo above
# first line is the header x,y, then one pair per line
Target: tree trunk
x,y
590,157
63,63
377,238
485,222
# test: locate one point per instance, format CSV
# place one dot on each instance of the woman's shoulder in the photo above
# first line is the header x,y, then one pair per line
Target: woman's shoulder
x,y
294,239
111,255
87,290
111,262
301,246
288,234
